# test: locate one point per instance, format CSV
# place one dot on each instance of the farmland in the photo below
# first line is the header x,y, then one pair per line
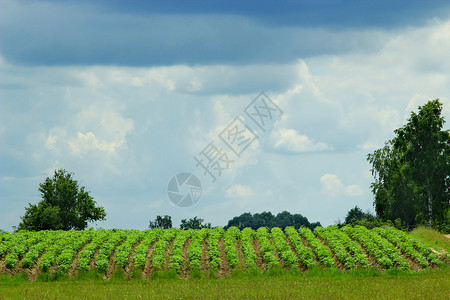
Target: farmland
x,y
209,252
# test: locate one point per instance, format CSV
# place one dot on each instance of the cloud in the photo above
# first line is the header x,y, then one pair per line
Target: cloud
x,y
117,38
290,140
332,186
239,191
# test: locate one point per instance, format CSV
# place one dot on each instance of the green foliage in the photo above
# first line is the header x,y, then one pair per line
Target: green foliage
x,y
291,250
163,222
267,219
320,251
194,223
412,171
64,206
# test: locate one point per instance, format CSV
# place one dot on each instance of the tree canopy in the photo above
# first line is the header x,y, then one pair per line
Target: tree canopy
x,y
194,223
64,206
164,222
412,171
267,219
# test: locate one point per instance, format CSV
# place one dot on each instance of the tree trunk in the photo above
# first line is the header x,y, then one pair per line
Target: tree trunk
x,y
430,208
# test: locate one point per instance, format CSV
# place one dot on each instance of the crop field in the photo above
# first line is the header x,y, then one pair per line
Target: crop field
x,y
209,252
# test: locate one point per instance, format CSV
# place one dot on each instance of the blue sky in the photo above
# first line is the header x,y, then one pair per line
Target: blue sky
x,y
126,94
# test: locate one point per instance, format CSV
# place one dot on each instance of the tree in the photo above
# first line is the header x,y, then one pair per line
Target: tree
x,y
412,171
164,222
194,223
355,214
64,205
267,219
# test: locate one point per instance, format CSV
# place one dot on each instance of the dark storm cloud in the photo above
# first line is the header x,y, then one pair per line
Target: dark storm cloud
x,y
150,33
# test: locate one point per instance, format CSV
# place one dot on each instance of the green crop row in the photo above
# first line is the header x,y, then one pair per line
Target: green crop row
x,y
321,251
174,249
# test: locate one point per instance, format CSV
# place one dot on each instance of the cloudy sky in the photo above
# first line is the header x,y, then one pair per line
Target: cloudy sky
x,y
127,94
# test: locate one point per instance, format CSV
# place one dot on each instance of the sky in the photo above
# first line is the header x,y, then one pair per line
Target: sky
x,y
129,94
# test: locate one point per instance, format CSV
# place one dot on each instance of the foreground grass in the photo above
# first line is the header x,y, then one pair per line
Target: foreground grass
x,y
432,238
328,284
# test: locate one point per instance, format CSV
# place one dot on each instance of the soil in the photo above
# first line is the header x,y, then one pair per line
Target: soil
x,y
337,263
205,257
167,254
130,266
35,270
184,270
112,263
277,255
148,269
224,269
372,262
94,258
73,271
259,260
301,266
241,264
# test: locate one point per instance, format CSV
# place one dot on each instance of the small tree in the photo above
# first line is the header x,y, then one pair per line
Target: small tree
x,y
64,205
194,223
164,222
355,214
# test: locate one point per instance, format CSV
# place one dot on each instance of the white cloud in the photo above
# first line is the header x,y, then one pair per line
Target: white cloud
x,y
332,186
88,142
110,125
290,140
239,191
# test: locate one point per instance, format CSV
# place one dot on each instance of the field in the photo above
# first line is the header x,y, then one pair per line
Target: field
x,y
327,262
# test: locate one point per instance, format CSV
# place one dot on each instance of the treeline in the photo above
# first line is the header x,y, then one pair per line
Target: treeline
x,y
255,221
267,219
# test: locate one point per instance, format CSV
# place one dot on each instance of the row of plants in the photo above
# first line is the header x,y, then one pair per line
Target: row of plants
x,y
336,246
321,251
304,253
266,248
141,251
87,254
350,245
196,249
26,247
159,252
124,250
380,249
248,251
107,248
62,251
409,246
231,237
65,258
213,248
177,255
388,248
56,250
284,250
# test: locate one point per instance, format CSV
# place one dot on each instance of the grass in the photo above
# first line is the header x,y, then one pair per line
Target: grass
x,y
432,238
317,284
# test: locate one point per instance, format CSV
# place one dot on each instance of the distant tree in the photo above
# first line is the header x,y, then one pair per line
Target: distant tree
x,y
194,223
355,214
64,205
267,219
164,222
264,219
412,171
